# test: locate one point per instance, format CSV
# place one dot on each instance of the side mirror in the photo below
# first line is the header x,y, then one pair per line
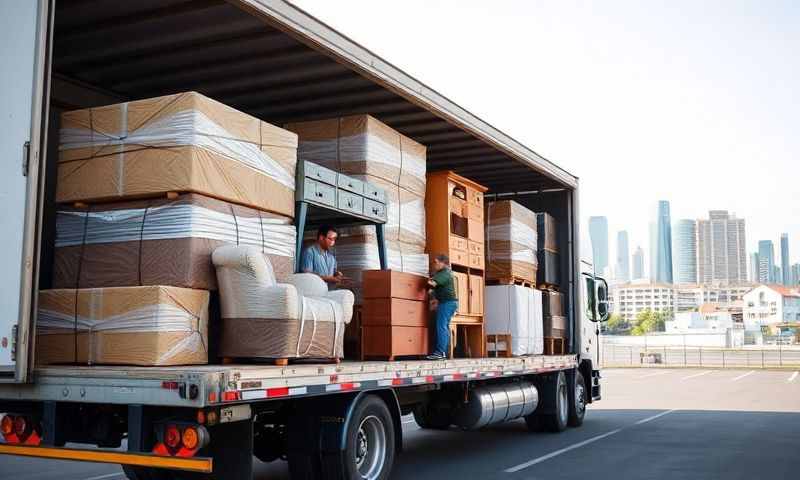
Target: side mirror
x,y
602,299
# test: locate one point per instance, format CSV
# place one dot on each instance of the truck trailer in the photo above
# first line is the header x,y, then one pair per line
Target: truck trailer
x,y
276,62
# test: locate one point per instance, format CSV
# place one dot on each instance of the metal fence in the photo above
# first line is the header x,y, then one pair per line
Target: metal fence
x,y
616,355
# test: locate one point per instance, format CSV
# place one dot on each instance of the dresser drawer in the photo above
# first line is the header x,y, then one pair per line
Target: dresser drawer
x,y
350,184
350,202
394,284
458,243
475,248
474,197
374,192
394,341
476,261
475,230
458,257
394,312
475,212
325,194
322,174
374,209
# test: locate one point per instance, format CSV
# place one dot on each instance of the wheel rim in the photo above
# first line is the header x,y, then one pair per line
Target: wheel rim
x,y
580,399
370,448
563,404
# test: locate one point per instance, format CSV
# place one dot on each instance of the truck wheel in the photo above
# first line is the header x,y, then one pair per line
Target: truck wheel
x,y
370,449
555,403
577,403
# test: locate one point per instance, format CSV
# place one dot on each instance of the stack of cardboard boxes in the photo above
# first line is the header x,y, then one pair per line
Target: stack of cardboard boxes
x,y
148,190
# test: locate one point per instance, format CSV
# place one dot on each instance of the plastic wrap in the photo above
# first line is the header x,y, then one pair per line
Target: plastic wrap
x,y
265,319
362,145
154,325
511,242
162,242
546,228
183,142
515,310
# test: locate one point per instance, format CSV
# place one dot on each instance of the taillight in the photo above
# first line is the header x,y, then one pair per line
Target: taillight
x,y
172,436
7,425
190,438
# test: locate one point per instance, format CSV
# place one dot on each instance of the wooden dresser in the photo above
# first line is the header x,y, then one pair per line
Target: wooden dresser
x,y
394,315
454,211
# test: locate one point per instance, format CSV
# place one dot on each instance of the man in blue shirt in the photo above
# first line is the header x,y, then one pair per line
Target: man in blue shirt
x,y
319,259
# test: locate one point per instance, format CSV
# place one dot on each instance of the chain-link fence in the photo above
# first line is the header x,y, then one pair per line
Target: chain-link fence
x,y
768,356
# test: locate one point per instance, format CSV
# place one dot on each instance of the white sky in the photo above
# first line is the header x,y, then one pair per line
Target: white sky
x,y
693,102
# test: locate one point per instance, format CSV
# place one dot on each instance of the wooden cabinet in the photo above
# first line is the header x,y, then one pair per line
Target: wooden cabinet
x,y
455,226
397,341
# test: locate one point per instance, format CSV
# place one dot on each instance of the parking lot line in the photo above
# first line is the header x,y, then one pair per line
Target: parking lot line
x,y
791,379
697,375
735,379
654,374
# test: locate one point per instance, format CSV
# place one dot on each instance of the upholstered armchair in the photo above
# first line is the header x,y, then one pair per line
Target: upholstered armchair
x,y
265,319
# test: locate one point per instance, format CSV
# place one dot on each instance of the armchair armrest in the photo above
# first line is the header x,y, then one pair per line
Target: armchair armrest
x,y
279,301
346,299
308,284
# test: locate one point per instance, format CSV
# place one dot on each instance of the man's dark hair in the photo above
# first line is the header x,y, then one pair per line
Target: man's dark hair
x,y
323,230
443,258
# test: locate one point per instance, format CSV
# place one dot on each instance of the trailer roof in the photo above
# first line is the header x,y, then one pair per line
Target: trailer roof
x,y
274,61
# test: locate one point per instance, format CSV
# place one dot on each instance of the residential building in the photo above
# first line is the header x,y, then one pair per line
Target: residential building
x,y
753,273
766,307
630,299
691,296
623,268
766,261
708,318
721,242
685,248
638,264
661,244
598,232
785,268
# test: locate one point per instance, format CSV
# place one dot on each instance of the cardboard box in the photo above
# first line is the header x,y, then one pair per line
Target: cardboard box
x,y
547,272
362,145
162,242
146,326
515,310
510,242
552,304
176,143
546,232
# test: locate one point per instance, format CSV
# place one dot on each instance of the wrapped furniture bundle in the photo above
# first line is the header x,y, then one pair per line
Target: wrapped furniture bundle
x,y
515,310
368,150
265,319
511,242
147,326
162,242
177,143
548,266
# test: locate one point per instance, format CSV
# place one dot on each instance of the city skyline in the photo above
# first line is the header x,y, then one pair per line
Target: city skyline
x,y
598,234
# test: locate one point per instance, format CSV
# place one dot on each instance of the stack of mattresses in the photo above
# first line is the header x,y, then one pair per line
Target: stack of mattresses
x,y
368,150
515,311
547,252
511,242
148,190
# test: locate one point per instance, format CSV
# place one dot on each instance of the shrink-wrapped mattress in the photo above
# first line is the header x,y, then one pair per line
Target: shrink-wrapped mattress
x,y
515,310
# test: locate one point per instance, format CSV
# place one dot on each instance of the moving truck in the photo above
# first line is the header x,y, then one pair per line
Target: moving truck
x,y
276,62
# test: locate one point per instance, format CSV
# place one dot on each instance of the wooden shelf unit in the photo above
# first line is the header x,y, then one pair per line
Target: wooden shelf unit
x,y
455,226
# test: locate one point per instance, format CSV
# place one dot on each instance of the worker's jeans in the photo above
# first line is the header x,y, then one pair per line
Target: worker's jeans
x,y
444,312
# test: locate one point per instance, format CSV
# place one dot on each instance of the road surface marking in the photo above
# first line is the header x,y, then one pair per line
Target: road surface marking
x,y
108,475
743,375
655,374
697,375
530,463
658,415
791,379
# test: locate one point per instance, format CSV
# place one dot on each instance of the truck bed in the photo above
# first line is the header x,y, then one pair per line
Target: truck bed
x,y
208,385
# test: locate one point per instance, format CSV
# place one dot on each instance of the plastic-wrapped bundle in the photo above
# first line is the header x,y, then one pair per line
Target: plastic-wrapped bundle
x,y
515,310
511,242
362,145
265,319
162,242
183,143
148,326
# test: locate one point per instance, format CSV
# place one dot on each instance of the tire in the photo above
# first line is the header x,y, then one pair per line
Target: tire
x,y
555,398
577,402
370,449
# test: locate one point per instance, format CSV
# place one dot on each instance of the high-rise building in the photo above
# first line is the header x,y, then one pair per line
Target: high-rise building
x,y
754,268
685,247
638,263
623,267
785,267
598,231
796,274
766,261
721,256
661,244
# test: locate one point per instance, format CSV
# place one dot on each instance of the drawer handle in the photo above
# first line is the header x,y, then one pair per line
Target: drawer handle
x,y
375,210
319,194
349,203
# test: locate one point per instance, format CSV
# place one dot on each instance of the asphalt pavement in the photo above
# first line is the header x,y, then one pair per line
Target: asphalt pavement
x,y
651,424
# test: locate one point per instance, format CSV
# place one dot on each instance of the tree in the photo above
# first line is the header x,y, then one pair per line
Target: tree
x,y
648,321
616,325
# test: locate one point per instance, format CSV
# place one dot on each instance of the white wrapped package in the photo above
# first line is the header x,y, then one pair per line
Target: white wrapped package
x,y
515,310
264,319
